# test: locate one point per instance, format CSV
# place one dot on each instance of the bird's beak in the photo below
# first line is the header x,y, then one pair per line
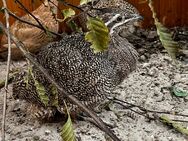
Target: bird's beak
x,y
137,20
139,17
136,17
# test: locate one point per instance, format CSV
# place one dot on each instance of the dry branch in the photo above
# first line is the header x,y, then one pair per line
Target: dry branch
x,y
7,72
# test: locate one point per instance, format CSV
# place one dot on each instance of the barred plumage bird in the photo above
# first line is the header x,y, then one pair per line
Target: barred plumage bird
x,y
88,76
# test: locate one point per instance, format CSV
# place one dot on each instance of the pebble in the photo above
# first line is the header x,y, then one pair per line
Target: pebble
x,y
36,138
47,132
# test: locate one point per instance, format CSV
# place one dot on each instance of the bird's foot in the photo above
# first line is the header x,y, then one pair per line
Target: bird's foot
x,y
42,113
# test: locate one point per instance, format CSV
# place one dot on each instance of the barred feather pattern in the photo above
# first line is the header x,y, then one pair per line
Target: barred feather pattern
x,y
87,76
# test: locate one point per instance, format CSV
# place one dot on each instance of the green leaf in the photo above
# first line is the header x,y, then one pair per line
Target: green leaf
x,y
67,13
41,92
179,92
67,132
165,36
73,26
84,1
178,127
39,88
98,34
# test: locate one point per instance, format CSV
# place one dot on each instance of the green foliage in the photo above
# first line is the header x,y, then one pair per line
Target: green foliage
x,y
67,132
165,35
84,1
67,13
98,34
178,127
41,92
73,26
39,88
179,92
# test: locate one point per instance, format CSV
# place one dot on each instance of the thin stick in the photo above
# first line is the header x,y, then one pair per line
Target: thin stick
x,y
52,80
36,19
32,24
146,110
7,71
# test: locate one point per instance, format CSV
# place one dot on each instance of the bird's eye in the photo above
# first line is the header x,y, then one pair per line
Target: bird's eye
x,y
119,19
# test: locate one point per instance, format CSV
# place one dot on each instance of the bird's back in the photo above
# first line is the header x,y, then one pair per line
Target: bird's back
x,y
77,69
71,62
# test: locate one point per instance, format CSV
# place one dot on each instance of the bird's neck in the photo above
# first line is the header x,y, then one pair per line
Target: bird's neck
x,y
123,54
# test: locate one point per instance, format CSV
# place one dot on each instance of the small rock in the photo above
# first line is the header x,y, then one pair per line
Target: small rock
x,y
153,72
152,35
143,58
36,138
47,132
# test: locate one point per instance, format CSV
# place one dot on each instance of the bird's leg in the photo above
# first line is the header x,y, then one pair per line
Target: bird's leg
x,y
42,113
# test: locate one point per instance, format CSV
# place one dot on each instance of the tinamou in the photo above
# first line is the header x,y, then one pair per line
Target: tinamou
x,y
88,76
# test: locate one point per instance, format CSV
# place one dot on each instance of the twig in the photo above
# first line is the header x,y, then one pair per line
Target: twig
x,y
71,97
179,120
7,71
71,5
32,24
147,110
140,113
36,19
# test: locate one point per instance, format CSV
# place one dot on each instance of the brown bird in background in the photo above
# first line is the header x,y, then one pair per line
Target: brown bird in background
x,y
32,37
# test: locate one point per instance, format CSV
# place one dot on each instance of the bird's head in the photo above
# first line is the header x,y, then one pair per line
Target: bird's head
x,y
121,21
118,15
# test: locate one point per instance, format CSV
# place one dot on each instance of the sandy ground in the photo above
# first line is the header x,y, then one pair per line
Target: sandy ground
x,y
148,87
